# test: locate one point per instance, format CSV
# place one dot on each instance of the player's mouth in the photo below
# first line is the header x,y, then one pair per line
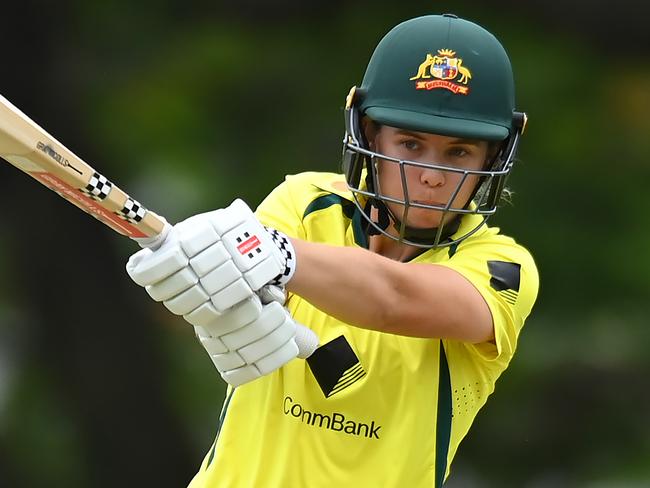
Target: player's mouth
x,y
431,203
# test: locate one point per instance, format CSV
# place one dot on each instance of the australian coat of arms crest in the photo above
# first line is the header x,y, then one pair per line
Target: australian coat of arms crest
x,y
443,70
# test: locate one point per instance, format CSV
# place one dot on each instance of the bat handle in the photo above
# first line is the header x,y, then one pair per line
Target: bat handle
x,y
154,242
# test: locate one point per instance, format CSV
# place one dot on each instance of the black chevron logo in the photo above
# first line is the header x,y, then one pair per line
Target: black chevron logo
x,y
505,279
335,366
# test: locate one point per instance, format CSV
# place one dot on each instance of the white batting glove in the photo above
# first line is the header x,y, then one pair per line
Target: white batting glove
x,y
306,339
250,245
252,340
222,256
194,275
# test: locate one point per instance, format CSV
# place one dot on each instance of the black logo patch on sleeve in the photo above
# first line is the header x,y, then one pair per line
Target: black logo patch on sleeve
x,y
335,366
505,279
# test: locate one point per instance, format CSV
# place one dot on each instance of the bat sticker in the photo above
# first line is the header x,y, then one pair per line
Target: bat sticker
x,y
133,211
98,187
88,205
56,156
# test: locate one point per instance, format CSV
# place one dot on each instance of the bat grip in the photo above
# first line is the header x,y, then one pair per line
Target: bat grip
x,y
156,241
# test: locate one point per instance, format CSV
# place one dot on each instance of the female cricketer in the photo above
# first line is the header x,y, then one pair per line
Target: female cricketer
x,y
406,305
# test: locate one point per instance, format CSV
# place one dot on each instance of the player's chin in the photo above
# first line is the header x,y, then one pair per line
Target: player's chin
x,y
421,218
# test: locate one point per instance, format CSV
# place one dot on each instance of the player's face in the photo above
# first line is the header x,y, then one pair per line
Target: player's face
x,y
427,185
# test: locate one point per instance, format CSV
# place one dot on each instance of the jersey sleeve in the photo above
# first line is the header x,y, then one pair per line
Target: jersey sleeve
x,y
281,210
506,276
287,205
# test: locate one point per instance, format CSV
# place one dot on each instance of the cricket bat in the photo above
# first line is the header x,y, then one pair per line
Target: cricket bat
x,y
32,150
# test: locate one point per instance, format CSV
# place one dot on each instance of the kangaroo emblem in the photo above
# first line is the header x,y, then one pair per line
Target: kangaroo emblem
x,y
444,66
465,74
422,70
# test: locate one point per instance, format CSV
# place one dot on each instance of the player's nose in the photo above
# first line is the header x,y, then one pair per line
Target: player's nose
x,y
432,177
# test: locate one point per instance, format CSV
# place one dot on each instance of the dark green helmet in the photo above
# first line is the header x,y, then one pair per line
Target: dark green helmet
x,y
442,75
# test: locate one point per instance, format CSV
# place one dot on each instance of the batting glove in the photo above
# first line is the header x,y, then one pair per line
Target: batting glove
x,y
222,256
252,339
195,276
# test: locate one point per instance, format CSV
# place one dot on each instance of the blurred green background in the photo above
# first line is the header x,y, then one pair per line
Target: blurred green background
x,y
188,105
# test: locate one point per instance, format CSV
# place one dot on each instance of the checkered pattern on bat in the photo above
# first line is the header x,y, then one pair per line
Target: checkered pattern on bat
x,y
282,242
98,187
133,211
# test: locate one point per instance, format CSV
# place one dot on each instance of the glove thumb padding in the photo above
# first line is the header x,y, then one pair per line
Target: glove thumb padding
x,y
306,340
272,293
133,264
147,267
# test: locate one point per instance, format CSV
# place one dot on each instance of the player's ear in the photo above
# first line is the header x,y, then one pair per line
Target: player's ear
x,y
493,149
370,130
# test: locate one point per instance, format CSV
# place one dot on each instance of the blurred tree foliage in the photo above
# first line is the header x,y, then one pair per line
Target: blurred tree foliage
x,y
189,105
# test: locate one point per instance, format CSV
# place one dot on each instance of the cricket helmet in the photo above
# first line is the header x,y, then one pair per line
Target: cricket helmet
x,y
443,75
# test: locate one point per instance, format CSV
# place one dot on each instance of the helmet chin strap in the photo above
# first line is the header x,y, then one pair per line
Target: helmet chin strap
x,y
383,220
413,234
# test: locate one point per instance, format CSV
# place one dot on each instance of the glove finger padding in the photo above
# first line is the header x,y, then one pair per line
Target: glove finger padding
x,y
212,345
239,376
213,281
277,358
272,317
209,259
187,301
306,340
172,285
217,324
196,233
273,341
254,347
261,255
231,295
253,360
227,361
147,267
264,366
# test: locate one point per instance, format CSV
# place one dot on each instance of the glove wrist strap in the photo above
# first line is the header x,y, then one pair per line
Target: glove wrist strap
x,y
288,254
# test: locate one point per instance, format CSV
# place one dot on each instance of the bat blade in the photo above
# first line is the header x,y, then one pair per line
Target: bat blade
x,y
27,146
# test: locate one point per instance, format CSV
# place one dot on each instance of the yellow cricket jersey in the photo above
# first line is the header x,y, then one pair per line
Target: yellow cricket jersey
x,y
368,409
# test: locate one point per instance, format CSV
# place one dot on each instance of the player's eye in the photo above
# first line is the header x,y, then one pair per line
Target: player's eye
x,y
458,152
411,144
